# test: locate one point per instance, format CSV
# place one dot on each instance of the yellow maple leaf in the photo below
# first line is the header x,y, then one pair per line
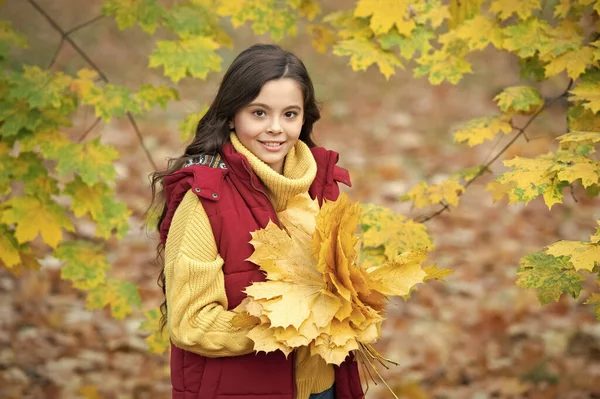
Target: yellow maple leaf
x,y
447,190
574,167
9,249
33,216
322,36
523,8
364,53
584,255
436,274
420,195
574,62
479,32
531,178
316,294
499,190
476,131
385,14
400,275
589,93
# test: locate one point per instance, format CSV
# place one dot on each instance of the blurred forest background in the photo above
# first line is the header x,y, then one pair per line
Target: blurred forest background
x,y
476,335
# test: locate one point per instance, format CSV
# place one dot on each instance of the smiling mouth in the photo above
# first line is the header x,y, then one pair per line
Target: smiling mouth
x,y
273,144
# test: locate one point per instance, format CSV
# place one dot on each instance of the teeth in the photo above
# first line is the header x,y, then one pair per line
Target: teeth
x,y
271,144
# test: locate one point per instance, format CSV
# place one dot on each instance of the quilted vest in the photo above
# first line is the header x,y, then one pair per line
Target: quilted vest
x,y
236,203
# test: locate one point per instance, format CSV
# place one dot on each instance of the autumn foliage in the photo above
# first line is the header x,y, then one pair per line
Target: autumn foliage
x,y
48,179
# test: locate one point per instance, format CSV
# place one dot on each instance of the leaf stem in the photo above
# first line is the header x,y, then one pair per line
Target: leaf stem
x,y
520,132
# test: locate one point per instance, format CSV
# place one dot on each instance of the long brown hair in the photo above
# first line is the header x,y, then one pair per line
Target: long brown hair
x,y
241,84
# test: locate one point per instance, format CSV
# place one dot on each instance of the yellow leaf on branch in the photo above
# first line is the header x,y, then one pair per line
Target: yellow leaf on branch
x,y
574,62
364,53
385,14
523,8
584,255
589,93
33,216
478,130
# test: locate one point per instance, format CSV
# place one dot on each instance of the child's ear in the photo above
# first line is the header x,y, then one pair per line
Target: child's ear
x,y
231,125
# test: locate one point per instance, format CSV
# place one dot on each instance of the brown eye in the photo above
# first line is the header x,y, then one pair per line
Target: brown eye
x,y
259,112
290,114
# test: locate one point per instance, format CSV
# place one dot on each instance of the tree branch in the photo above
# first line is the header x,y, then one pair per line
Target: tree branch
x,y
83,25
65,37
60,46
521,132
89,129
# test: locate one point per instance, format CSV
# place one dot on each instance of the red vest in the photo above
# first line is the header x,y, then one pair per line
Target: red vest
x,y
236,203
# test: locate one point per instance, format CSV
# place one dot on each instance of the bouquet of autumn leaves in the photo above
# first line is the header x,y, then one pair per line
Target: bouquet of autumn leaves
x,y
317,294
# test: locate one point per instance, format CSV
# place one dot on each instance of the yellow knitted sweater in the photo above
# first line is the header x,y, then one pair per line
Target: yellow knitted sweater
x,y
198,319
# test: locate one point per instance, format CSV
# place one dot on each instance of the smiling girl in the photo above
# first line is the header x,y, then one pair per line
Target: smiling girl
x,y
251,153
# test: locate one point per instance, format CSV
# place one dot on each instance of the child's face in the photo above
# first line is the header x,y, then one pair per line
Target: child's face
x,y
270,125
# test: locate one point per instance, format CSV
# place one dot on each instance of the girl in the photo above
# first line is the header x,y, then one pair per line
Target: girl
x,y
251,153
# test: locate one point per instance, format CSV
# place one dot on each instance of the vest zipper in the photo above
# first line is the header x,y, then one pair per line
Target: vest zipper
x,y
293,356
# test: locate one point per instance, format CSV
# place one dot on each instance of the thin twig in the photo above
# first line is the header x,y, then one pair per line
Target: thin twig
x,y
83,25
520,132
141,140
573,193
68,39
60,46
89,129
65,37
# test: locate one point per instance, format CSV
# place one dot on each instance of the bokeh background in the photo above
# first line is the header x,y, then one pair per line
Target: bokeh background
x,y
475,335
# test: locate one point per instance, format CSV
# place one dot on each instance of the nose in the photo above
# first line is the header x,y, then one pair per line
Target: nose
x,y
274,127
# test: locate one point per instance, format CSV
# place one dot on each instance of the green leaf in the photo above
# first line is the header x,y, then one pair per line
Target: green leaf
x,y
187,128
524,100
273,16
443,66
528,37
147,13
551,275
40,88
9,248
85,263
99,201
158,341
8,37
92,161
594,300
193,19
189,57
364,53
532,67
418,41
121,296
149,96
16,116
113,219
111,101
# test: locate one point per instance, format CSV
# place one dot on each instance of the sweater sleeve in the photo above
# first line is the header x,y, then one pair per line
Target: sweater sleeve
x,y
197,315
